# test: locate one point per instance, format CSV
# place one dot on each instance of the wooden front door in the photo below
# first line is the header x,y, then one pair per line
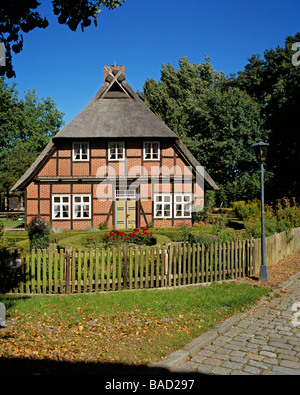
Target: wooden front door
x,y
125,214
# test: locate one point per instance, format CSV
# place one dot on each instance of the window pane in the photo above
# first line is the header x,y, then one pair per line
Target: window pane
x,y
56,199
65,209
155,147
76,151
167,213
77,210
187,198
158,198
167,198
86,199
77,199
155,156
65,199
178,209
84,148
86,211
178,198
56,211
158,210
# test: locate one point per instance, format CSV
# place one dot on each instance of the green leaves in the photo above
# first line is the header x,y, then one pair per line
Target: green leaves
x,y
26,126
217,122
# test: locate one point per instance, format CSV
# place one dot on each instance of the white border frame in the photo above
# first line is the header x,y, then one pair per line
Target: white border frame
x,y
109,148
82,203
144,151
88,151
60,204
163,203
182,203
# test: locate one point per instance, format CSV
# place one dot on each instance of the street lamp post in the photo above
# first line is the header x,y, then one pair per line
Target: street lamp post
x,y
261,155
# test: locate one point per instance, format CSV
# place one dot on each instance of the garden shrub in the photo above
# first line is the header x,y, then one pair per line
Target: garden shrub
x,y
201,237
282,216
39,233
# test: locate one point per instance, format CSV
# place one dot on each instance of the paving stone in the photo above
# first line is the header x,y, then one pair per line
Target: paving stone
x,y
290,364
282,369
205,369
232,365
214,361
255,357
271,361
240,373
221,371
268,354
224,357
199,359
252,370
259,365
239,360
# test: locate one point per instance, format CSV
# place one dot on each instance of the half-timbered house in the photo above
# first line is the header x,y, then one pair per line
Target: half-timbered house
x,y
116,163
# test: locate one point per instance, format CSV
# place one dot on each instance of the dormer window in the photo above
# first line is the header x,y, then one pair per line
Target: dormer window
x,y
151,150
81,151
116,150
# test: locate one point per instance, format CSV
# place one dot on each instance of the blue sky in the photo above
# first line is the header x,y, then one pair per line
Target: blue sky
x,y
143,35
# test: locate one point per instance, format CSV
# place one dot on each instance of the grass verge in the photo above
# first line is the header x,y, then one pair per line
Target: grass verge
x,y
131,327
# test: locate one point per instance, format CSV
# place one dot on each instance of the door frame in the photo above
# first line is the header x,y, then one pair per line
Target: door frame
x,y
125,202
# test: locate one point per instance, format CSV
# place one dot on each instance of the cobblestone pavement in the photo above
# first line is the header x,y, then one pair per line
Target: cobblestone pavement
x,y
263,341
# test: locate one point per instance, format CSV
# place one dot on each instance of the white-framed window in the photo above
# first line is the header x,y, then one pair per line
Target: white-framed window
x,y
116,150
162,205
183,206
81,206
151,150
61,206
81,151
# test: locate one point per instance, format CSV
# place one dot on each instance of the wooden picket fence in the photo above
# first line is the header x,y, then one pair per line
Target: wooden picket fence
x,y
111,269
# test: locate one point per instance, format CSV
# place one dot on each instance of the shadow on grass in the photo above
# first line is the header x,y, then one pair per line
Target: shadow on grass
x,y
107,371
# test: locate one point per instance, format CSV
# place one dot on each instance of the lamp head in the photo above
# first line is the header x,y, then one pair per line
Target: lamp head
x,y
261,150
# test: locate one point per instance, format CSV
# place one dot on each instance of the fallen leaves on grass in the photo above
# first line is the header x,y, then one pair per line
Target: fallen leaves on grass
x,y
102,338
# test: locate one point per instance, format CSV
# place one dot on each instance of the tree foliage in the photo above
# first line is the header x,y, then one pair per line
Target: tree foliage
x,y
26,126
216,121
21,17
274,82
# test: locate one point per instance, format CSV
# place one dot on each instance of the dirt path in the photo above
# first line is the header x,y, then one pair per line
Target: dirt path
x,y
278,273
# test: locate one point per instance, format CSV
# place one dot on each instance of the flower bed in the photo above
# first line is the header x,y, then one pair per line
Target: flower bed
x,y
140,236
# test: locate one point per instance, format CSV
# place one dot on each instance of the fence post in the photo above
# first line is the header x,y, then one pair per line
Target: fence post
x,y
68,269
125,268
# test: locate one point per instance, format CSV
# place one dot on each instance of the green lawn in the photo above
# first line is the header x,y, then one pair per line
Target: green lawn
x,y
132,327
11,223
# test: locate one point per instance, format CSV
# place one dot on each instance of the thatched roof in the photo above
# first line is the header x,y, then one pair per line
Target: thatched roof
x,y
115,112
